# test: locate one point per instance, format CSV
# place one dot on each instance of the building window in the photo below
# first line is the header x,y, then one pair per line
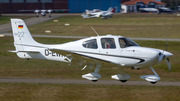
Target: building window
x,y
129,8
132,8
46,1
31,1
4,1
17,1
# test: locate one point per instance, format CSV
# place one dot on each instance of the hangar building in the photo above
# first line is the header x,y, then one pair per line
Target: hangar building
x,y
74,6
80,5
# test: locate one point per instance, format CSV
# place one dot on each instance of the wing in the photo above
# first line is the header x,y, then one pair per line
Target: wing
x,y
82,60
88,61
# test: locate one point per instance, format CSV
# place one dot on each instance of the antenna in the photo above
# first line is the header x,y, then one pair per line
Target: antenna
x,y
94,31
166,41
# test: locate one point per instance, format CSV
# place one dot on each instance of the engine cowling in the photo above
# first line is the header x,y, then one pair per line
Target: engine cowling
x,y
151,78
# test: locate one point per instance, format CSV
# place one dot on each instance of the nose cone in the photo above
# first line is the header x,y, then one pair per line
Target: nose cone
x,y
167,54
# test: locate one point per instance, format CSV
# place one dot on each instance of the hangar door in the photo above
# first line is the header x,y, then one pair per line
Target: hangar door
x,y
79,6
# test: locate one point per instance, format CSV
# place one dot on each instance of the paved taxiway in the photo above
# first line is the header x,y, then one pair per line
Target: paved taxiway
x,y
79,37
75,81
31,21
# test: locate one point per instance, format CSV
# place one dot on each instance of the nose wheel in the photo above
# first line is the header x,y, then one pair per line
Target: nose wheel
x,y
151,78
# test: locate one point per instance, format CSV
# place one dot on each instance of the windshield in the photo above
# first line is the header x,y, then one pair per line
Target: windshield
x,y
125,42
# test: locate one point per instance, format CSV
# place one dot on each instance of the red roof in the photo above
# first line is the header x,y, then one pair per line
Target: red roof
x,y
133,2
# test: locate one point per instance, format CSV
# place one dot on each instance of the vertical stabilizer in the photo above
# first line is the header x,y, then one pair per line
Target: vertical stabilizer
x,y
21,33
22,37
113,10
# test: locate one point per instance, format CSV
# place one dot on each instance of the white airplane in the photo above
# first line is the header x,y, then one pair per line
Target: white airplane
x,y
91,52
43,12
99,13
149,10
144,8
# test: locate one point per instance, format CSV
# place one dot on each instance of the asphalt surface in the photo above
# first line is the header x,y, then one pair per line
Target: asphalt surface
x,y
7,27
75,81
31,21
79,37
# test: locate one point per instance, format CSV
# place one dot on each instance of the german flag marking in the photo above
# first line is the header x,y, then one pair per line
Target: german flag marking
x,y
20,26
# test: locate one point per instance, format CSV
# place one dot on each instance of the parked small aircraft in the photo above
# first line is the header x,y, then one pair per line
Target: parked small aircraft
x,y
165,10
91,52
99,13
43,12
143,8
153,10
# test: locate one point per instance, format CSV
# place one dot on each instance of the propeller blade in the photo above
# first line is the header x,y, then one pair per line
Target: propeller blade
x,y
168,64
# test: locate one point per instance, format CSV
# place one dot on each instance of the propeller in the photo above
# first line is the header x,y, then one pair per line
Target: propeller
x,y
166,55
168,64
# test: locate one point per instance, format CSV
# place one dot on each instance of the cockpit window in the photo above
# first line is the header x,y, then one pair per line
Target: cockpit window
x,y
125,42
90,44
108,43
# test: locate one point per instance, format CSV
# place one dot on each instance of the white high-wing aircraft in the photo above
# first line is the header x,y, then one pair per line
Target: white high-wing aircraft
x,y
91,52
43,12
99,13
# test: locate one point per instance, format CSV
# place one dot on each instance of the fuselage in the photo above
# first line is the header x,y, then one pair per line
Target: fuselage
x,y
113,49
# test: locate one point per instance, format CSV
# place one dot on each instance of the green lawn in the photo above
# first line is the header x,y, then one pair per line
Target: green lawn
x,y
152,26
72,92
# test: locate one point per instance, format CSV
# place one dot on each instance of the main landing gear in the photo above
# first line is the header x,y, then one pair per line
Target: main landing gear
x,y
123,77
93,76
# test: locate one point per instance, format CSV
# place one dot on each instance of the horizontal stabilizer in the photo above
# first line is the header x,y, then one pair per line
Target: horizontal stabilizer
x,y
13,51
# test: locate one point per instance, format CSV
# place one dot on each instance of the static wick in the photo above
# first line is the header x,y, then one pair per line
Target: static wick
x,y
94,31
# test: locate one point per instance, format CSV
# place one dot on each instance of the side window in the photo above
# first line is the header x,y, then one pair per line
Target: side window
x,y
122,43
90,44
108,43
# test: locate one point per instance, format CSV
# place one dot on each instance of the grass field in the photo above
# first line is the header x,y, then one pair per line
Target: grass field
x,y
59,92
154,26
